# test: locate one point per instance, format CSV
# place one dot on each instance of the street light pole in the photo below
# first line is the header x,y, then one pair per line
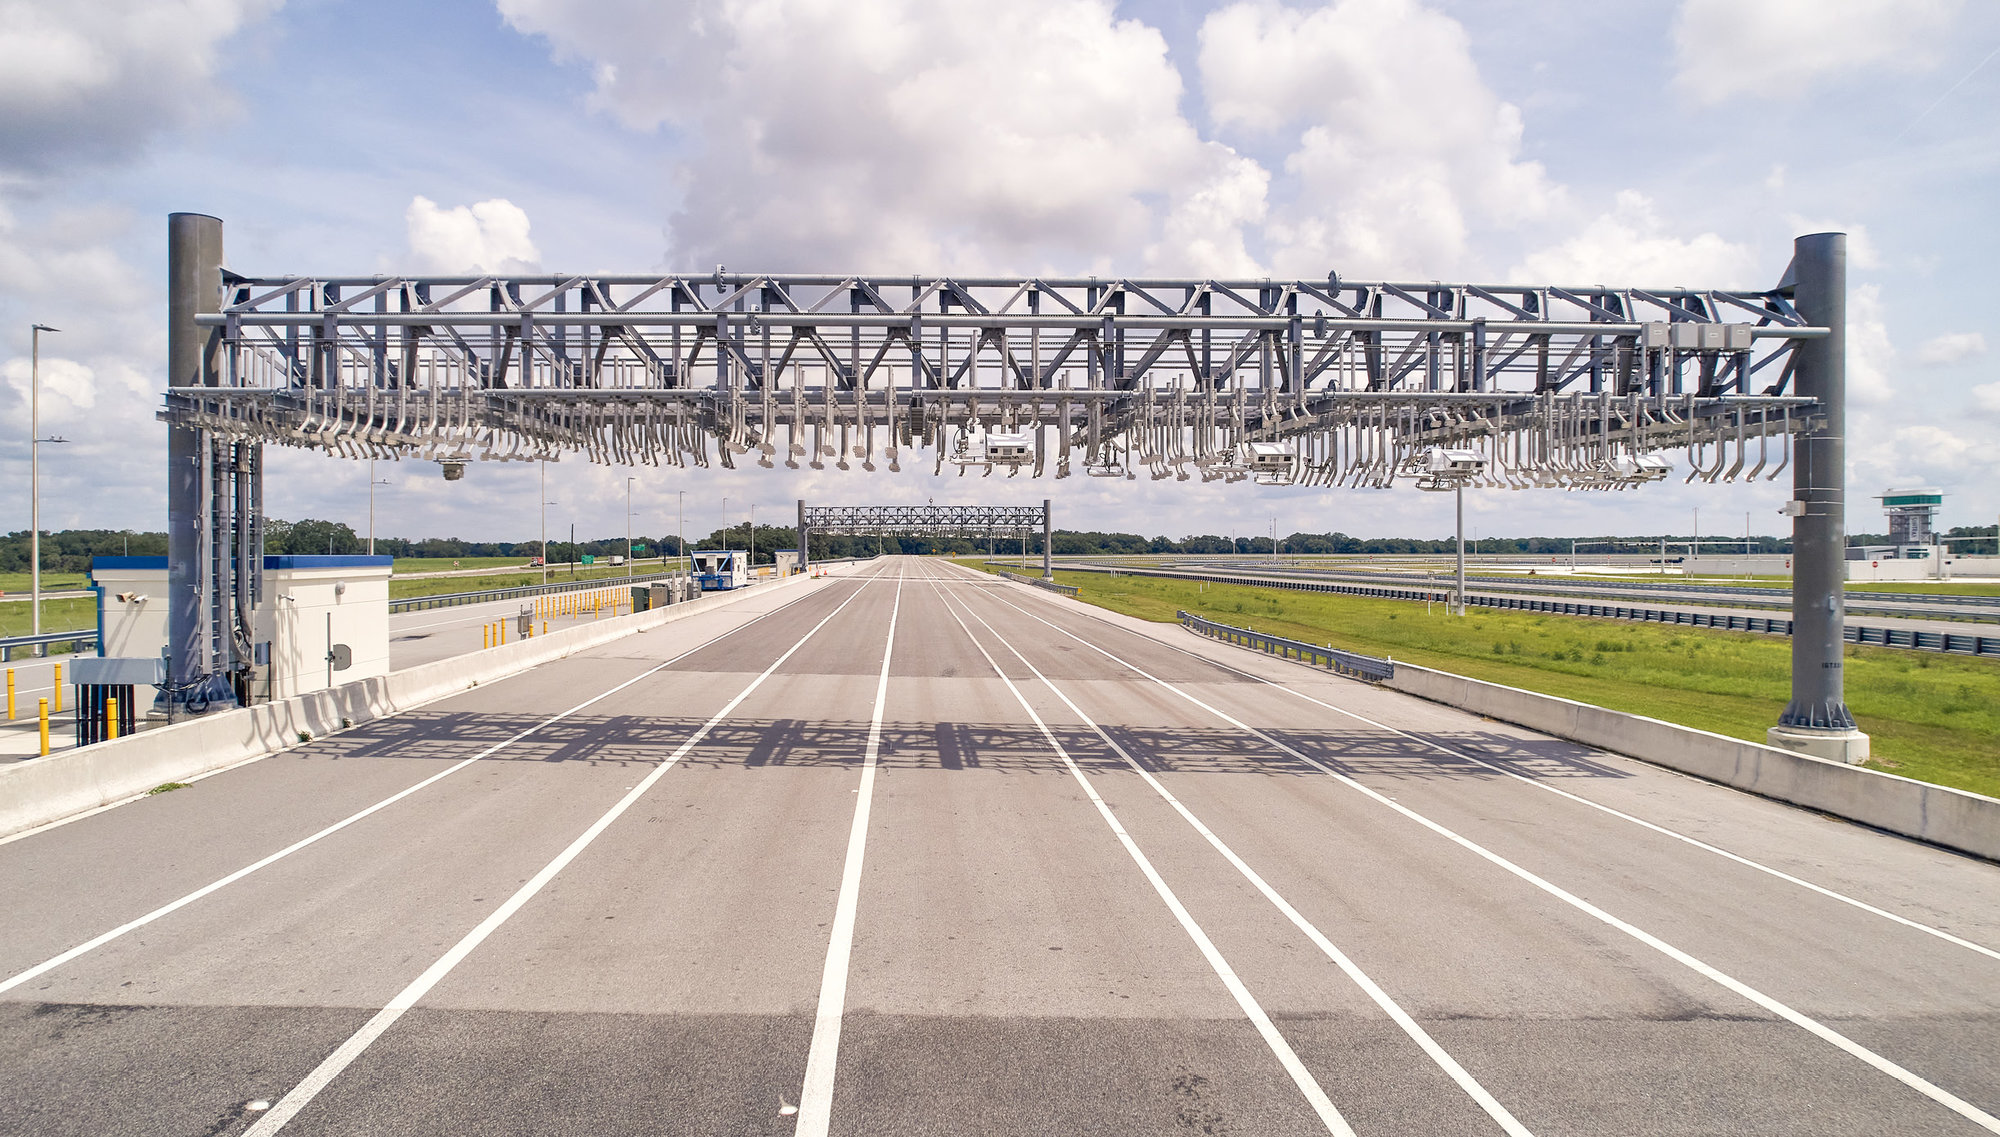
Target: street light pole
x,y
753,536
1459,493
681,529
372,483
35,474
628,530
545,521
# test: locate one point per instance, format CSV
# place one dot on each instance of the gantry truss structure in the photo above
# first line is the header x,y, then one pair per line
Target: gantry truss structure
x,y
932,520
923,520
1317,382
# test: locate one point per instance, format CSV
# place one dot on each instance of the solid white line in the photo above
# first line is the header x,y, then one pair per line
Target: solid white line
x,y
359,1041
1746,862
176,905
1780,874
1466,1082
1909,1078
1315,1096
816,1097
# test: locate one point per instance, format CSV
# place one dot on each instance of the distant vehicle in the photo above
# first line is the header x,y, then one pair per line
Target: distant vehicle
x,y
615,560
536,563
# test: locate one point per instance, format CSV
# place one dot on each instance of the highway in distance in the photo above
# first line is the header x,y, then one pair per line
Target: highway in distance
x,y
911,850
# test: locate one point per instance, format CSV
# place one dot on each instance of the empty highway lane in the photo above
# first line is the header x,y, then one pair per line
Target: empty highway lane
x,y
913,851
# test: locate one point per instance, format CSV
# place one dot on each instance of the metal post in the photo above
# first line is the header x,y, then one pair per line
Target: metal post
x,y
1817,720
628,531
1459,493
681,532
35,479
1048,543
545,521
194,287
805,546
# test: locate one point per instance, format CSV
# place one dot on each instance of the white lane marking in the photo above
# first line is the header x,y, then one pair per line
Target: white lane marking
x,y
176,905
816,1096
303,1093
1909,1078
1643,823
1698,843
1254,1011
1466,1082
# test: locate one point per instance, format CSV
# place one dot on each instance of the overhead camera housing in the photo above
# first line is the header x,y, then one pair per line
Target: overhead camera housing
x,y
454,468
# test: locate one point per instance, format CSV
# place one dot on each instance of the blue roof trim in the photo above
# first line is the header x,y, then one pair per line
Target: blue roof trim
x,y
127,563
324,562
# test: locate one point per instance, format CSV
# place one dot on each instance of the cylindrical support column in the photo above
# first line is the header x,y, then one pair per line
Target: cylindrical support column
x,y
194,287
1048,543
1817,720
805,543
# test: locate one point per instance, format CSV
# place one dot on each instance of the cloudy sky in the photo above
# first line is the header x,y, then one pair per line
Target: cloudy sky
x,y
1625,143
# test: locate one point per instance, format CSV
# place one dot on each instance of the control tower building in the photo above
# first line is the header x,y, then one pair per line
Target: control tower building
x,y
1912,518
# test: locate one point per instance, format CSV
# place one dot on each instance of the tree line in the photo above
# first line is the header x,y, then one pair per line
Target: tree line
x,y
71,550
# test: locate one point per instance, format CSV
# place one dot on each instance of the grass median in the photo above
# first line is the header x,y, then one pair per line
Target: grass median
x,y
1930,716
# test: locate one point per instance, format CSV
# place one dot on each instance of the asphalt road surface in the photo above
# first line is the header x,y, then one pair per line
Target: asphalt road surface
x,y
912,851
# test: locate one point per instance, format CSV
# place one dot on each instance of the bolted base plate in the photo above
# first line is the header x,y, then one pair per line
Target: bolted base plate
x,y
1849,746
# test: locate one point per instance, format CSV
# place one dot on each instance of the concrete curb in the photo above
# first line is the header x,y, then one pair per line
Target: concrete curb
x,y
1955,819
1939,815
42,790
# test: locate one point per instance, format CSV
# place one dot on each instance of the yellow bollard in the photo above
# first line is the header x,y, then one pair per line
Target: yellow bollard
x,y
10,694
58,691
111,718
45,728
545,627
485,636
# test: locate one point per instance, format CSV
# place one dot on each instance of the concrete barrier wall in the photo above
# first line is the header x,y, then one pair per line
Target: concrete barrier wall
x,y
41,790
1955,819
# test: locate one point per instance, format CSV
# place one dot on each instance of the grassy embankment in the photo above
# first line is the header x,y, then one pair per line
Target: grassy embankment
x,y
1930,716
437,585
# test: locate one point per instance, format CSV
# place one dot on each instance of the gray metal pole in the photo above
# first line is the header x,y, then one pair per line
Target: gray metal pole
x,y
35,479
805,545
1817,720
194,287
1048,543
1460,494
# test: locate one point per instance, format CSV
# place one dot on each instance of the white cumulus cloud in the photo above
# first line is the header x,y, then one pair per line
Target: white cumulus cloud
x,y
94,79
1954,347
1727,48
489,236
886,134
1400,150
1630,245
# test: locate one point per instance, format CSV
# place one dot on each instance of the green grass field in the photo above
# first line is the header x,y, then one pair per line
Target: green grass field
x,y
448,564
76,613
1932,717
12,583
438,585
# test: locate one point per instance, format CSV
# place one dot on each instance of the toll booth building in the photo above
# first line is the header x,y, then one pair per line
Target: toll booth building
x,y
310,607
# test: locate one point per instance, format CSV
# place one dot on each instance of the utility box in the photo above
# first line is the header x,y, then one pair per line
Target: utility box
x,y
322,621
787,561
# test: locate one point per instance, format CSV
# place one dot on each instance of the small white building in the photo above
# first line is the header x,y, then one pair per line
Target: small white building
x,y
310,604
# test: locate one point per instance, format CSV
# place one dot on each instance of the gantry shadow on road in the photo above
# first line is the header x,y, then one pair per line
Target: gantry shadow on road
x,y
797,743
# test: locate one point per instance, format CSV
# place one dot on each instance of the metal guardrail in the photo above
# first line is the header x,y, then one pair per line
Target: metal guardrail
x,y
453,599
1344,662
79,640
1952,643
1068,590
